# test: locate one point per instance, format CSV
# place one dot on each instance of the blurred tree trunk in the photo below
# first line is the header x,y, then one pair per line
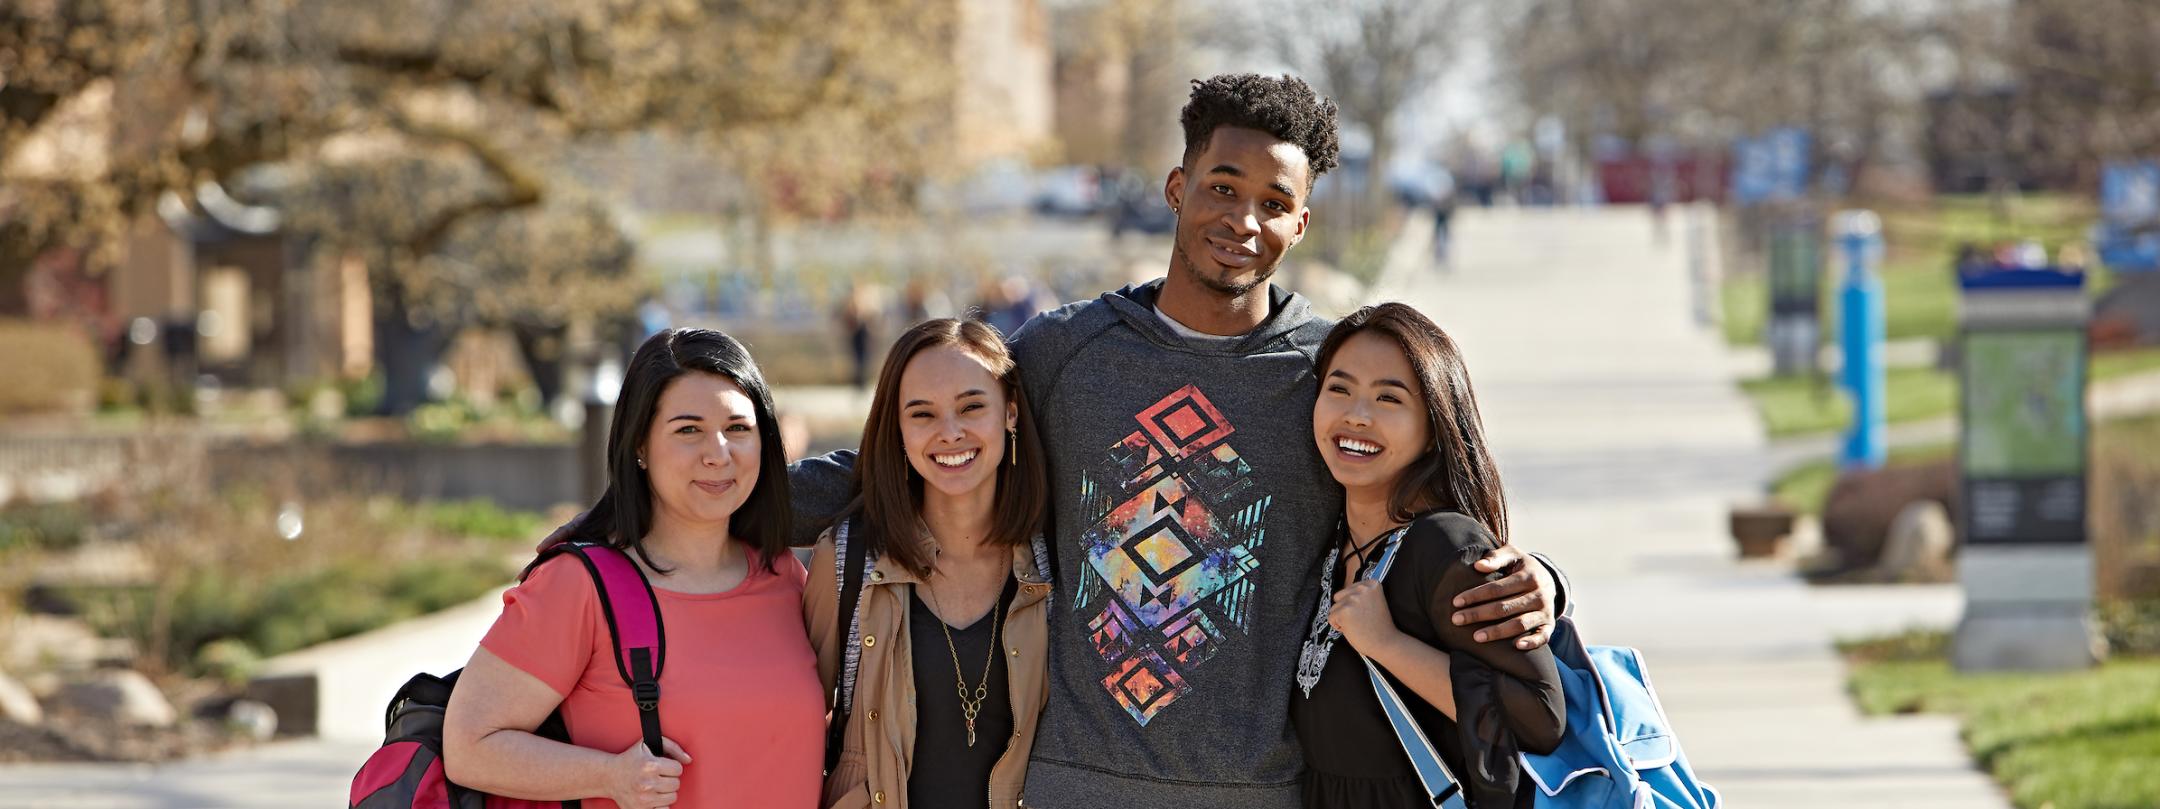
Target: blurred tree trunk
x,y
407,350
544,347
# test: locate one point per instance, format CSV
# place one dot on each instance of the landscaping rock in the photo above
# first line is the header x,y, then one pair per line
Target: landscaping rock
x,y
21,743
16,703
1921,540
1857,516
57,642
43,684
252,720
119,695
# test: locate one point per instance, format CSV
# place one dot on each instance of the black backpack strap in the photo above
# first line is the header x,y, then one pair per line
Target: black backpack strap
x,y
849,560
634,628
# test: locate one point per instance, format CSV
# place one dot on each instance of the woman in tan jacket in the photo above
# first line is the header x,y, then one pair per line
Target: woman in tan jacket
x,y
950,650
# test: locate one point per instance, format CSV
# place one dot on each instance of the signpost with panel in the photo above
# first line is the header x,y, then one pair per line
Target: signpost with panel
x,y
2026,567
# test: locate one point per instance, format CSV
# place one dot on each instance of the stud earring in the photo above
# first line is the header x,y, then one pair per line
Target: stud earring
x,y
641,462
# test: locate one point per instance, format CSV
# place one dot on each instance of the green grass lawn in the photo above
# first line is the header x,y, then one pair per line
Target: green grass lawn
x,y
2079,740
1807,486
2116,364
1919,302
1802,405
1745,301
1919,290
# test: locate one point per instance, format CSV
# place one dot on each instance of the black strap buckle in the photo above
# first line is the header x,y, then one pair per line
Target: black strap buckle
x,y
647,696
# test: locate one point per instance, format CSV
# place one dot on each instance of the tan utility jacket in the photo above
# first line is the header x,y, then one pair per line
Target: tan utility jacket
x,y
880,737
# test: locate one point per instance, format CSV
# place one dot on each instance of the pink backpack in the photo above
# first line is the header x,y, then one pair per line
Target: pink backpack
x,y
407,771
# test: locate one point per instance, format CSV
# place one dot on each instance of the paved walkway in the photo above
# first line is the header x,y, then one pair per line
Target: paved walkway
x,y
278,776
1623,441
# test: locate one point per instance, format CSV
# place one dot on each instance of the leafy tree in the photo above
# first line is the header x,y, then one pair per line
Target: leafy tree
x,y
417,130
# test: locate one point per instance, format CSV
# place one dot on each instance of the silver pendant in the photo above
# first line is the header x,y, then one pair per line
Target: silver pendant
x,y
1320,639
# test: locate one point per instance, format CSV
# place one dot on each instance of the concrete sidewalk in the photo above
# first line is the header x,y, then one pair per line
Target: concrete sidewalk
x,y
311,773
1623,441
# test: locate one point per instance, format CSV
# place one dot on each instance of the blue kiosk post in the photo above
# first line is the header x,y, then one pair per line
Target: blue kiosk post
x,y
2026,567
1860,338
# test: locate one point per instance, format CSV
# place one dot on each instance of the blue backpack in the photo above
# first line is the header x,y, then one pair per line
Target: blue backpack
x,y
1618,752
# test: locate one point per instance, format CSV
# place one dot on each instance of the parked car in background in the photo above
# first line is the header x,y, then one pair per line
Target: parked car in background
x,y
1139,208
1075,191
993,188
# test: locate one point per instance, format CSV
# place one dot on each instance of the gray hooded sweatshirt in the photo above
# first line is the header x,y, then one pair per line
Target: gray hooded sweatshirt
x,y
1192,511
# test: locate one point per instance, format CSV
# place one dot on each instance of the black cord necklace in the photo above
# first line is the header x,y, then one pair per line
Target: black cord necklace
x,y
1363,552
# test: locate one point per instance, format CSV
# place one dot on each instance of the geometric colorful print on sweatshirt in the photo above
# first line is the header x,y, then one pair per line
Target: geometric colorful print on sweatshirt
x,y
1175,523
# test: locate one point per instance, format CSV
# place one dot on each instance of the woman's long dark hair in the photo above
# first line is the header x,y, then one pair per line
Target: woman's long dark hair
x,y
624,512
1457,472
888,493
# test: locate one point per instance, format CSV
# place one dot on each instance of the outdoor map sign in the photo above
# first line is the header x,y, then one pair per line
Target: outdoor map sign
x,y
2024,439
2026,568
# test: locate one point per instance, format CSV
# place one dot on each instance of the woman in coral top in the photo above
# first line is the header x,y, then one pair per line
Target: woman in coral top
x,y
697,494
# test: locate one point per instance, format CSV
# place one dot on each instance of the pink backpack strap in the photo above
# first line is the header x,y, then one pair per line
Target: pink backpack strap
x,y
633,617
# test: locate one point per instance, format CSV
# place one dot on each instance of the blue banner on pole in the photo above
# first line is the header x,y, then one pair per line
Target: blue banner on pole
x,y
1771,168
2130,193
2129,233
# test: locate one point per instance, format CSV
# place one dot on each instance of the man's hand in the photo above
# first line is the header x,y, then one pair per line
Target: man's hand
x,y
562,534
1517,605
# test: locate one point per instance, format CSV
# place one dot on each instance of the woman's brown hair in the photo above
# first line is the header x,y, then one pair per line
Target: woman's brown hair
x,y
889,493
1457,472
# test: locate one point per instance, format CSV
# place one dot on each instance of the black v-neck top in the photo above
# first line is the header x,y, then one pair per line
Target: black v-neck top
x,y
946,770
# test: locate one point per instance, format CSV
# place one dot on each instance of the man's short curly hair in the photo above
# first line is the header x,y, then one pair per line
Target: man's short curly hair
x,y
1283,106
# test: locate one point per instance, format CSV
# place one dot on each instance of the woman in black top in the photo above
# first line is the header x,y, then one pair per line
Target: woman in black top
x,y
950,769
1398,426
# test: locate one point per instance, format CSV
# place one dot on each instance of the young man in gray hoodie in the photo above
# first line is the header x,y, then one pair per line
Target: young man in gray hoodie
x,y
1192,509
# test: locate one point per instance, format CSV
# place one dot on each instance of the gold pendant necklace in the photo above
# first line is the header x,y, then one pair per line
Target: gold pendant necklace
x,y
969,708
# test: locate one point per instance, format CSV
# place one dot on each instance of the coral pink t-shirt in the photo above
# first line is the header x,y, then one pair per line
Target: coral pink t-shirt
x,y
739,690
